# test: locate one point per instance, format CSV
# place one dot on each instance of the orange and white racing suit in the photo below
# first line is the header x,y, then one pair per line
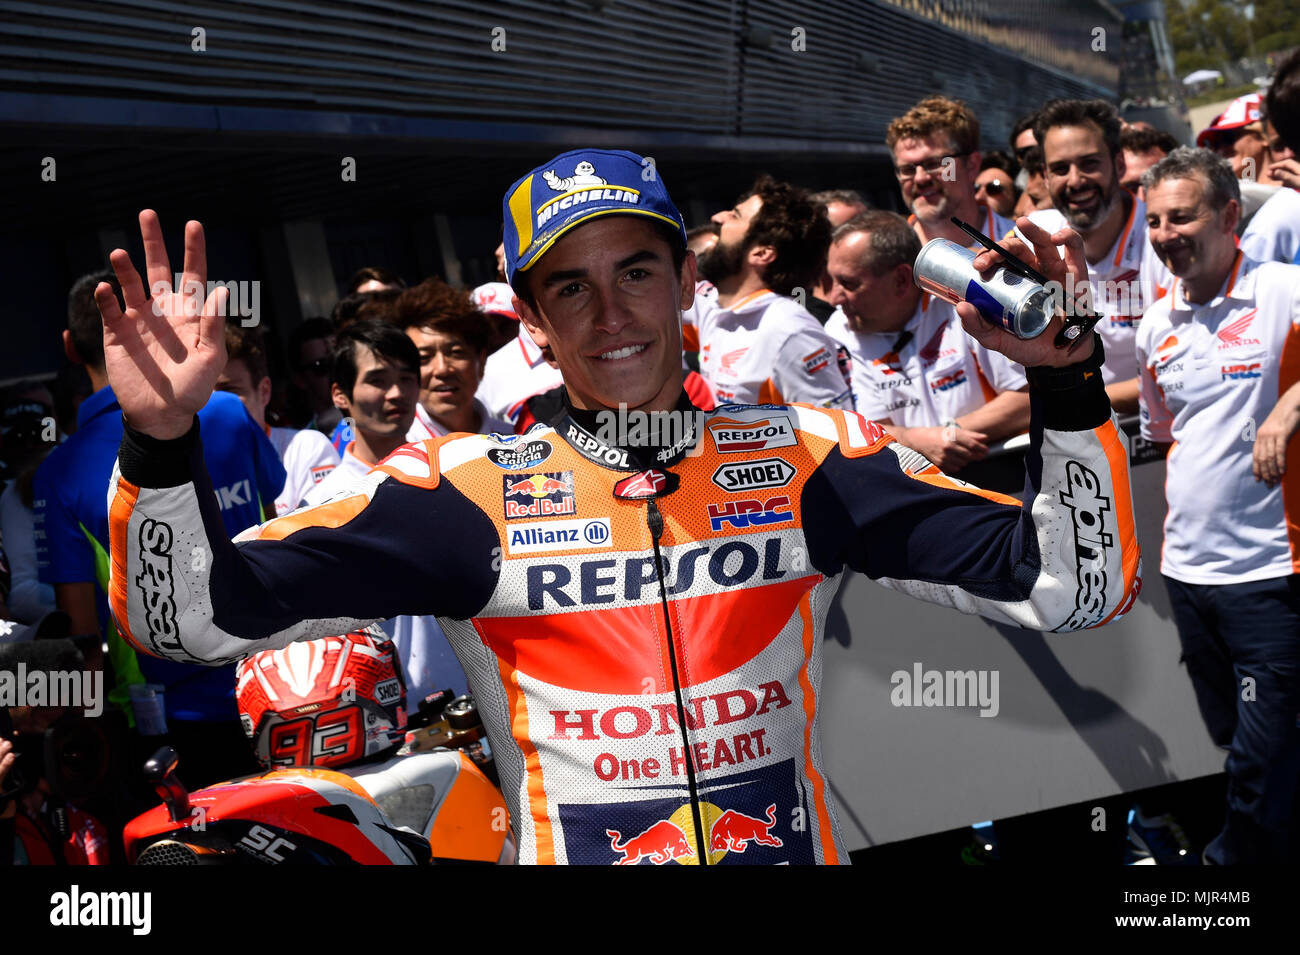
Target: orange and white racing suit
x,y
640,619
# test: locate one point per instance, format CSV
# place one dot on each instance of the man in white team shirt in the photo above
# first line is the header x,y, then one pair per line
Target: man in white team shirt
x,y
757,344
1085,166
937,159
1220,357
517,370
307,455
915,370
376,384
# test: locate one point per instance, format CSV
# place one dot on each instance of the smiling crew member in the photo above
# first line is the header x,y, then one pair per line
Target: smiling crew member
x,y
937,159
1220,394
641,619
451,335
1085,165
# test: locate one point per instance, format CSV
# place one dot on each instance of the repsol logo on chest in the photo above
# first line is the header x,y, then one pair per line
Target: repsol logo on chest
x,y
734,437
1088,508
595,582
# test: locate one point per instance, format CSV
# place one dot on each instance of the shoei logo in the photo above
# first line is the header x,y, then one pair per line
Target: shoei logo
x,y
558,535
752,475
389,691
735,437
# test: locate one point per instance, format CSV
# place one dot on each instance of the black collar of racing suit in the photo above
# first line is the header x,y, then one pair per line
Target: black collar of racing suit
x,y
640,440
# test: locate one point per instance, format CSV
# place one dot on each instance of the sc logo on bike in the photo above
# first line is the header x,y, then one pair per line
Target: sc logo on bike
x,y
266,843
596,532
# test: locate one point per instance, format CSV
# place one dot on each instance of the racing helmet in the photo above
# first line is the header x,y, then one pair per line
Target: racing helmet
x,y
325,703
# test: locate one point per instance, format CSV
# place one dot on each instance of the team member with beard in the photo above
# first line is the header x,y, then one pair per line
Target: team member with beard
x,y
1085,166
937,158
1218,357
757,345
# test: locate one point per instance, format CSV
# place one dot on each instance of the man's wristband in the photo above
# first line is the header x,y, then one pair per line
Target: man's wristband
x,y
1073,397
154,462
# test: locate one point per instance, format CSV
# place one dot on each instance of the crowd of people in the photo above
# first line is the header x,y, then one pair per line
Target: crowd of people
x,y
1194,260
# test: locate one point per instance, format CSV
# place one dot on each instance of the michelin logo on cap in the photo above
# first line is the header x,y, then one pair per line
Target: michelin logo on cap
x,y
572,188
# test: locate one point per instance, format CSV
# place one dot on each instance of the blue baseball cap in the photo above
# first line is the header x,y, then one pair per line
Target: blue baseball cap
x,y
574,187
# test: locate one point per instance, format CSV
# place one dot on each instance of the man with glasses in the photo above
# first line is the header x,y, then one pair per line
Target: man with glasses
x,y
936,158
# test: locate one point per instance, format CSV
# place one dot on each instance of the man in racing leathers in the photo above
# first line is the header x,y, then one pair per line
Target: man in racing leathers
x,y
641,619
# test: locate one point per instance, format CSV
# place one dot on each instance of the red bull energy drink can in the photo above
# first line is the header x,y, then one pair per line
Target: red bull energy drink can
x,y
946,270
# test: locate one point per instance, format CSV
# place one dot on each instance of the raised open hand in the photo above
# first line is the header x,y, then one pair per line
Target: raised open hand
x,y
1067,274
164,353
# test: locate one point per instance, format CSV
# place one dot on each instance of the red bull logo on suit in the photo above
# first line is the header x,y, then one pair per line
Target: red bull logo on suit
x,y
549,494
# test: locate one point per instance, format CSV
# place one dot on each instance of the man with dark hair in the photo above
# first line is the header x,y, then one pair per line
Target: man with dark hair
x,y
1022,138
72,542
757,344
1085,164
915,370
1218,366
1034,194
995,185
309,372
307,455
641,614
1282,110
377,382
451,335
936,159
1143,148
373,278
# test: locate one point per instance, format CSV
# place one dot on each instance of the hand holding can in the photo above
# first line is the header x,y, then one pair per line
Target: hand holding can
x,y
1060,259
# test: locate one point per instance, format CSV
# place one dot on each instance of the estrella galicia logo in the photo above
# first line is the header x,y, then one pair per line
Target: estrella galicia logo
x,y
526,456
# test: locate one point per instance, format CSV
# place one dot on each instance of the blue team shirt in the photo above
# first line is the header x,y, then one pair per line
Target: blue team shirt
x,y
71,491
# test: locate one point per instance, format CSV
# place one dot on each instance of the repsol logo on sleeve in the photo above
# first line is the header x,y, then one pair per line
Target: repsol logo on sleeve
x,y
595,582
1088,508
156,584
